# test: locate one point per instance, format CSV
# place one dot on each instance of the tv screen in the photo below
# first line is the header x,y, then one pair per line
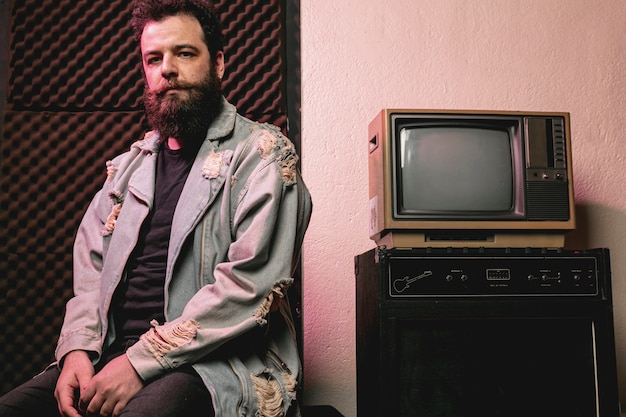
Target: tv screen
x,y
449,169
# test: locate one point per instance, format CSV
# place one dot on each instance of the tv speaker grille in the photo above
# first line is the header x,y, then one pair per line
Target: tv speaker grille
x,y
547,201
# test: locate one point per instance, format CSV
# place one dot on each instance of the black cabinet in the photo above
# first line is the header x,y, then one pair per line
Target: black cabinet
x,y
485,332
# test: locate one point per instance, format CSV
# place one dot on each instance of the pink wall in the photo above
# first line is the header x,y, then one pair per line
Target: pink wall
x,y
359,56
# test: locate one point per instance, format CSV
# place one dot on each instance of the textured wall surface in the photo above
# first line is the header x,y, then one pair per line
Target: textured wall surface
x,y
74,101
359,56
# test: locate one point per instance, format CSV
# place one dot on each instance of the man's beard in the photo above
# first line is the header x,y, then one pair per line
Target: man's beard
x,y
184,118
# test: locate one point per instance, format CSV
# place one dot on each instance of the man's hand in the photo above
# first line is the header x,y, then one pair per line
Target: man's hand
x,y
110,390
76,373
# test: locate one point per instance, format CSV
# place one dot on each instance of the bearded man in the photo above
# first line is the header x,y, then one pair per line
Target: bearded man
x,y
184,257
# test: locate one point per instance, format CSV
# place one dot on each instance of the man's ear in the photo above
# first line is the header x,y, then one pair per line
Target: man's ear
x,y
219,64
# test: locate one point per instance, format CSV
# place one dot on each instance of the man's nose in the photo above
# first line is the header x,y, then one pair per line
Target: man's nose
x,y
168,67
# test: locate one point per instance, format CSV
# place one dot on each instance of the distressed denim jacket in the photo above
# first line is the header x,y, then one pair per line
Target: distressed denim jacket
x,y
236,235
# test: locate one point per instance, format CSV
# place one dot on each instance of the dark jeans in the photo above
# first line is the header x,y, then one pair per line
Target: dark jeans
x,y
178,393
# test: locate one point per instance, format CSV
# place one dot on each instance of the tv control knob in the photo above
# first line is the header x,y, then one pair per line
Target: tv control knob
x,y
449,278
464,277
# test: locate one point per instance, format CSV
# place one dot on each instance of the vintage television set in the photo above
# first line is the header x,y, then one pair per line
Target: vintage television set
x,y
441,178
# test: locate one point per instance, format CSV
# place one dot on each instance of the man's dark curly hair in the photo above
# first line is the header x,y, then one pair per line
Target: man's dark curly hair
x,y
145,11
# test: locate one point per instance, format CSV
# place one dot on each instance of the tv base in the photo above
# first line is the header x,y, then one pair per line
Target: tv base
x,y
469,239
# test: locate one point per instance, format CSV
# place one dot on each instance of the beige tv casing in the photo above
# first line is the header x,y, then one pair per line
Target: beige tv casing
x,y
385,230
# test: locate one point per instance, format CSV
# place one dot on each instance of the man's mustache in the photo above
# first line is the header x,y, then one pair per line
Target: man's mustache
x,y
162,89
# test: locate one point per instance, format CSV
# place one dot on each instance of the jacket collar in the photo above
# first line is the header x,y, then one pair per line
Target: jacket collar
x,y
224,122
142,181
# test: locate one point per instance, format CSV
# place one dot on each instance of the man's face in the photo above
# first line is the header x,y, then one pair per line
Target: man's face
x,y
181,81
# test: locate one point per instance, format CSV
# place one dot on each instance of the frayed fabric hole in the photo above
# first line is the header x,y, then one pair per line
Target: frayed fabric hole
x,y
162,341
269,395
272,301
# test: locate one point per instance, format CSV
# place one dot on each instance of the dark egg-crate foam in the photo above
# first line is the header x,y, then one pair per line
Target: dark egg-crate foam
x,y
69,55
49,175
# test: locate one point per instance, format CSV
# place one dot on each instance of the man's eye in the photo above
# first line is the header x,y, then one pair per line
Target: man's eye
x,y
185,54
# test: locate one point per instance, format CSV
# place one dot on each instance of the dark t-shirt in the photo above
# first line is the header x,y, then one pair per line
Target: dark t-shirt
x,y
141,298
